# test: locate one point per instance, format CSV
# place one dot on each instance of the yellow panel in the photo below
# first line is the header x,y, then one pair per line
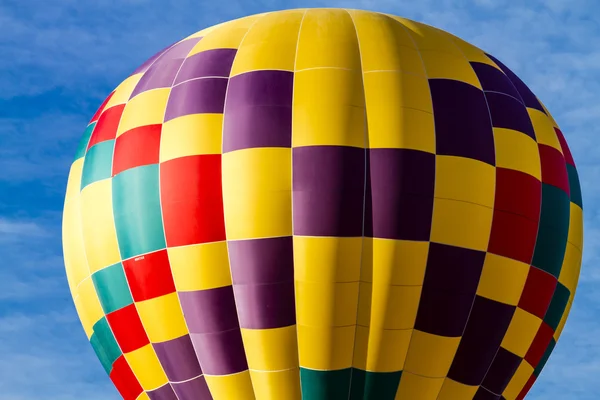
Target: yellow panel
x,y
398,262
73,251
394,90
429,38
379,350
418,387
430,355
236,386
162,318
544,130
191,135
502,279
74,180
521,332
270,43
327,259
385,45
257,193
402,128
143,396
271,349
576,226
226,36
279,385
87,326
569,273
518,381
98,225
325,348
123,91
452,390
328,39
205,31
461,224
328,108
324,304
466,179
200,266
449,66
388,307
90,305
472,53
146,108
516,150
563,320
145,365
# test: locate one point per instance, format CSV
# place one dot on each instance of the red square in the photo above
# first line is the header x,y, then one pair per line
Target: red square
x,y
128,329
538,292
540,344
192,200
513,236
527,387
149,276
101,108
137,147
565,147
518,193
106,127
554,168
124,380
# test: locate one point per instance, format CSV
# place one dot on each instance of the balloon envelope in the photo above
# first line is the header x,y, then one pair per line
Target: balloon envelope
x,y
323,204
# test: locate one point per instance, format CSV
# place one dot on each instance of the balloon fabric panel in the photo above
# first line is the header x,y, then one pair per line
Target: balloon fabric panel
x,y
323,204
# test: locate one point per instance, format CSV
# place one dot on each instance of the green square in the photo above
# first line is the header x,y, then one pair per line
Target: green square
x,y
368,385
97,164
322,385
138,216
83,142
105,345
553,230
112,288
557,306
574,186
545,357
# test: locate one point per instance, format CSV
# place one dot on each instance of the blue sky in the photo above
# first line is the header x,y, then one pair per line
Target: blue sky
x,y
60,58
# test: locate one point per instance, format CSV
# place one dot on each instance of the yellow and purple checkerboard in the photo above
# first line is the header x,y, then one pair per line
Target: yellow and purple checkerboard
x,y
323,204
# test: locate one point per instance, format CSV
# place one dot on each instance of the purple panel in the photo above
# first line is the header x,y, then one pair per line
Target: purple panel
x,y
195,389
220,353
178,359
256,261
493,80
480,341
197,96
328,190
402,183
163,393
503,368
150,61
215,62
265,306
526,94
449,287
209,311
509,113
484,394
160,75
181,49
258,112
462,123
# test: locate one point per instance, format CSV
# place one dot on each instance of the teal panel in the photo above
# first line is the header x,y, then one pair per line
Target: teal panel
x,y
574,186
557,306
368,385
97,164
136,207
325,385
111,286
105,345
83,142
553,230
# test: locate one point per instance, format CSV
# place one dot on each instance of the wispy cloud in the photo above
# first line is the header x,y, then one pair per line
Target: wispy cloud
x,y
60,58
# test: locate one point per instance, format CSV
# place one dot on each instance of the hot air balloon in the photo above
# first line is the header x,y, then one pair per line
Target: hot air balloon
x,y
323,204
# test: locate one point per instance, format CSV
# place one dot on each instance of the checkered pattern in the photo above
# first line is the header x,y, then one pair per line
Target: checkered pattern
x,y
323,204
